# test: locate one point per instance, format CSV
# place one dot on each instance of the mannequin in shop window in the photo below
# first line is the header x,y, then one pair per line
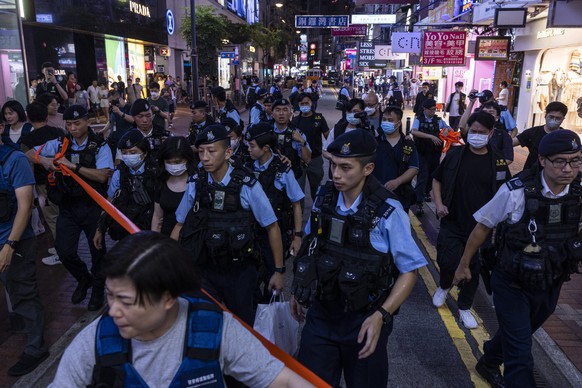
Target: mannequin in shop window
x,y
573,88
557,85
542,94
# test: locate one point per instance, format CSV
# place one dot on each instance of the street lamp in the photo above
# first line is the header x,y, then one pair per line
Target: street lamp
x,y
279,5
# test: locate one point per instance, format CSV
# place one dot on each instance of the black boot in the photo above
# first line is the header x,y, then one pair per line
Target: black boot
x,y
97,299
491,373
27,364
80,292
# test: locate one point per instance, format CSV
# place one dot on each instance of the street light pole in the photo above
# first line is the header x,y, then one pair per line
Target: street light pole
x,y
194,53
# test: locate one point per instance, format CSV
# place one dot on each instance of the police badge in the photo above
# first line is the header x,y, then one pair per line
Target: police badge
x,y
210,136
345,149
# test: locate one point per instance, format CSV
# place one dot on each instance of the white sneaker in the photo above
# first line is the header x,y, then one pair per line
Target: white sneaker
x,y
51,260
439,297
52,251
467,319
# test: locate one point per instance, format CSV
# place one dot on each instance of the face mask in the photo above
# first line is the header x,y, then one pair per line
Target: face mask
x,y
234,144
351,119
132,160
155,94
477,141
370,111
305,109
388,127
553,124
175,169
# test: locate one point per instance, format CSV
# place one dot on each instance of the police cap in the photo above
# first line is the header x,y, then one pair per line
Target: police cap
x,y
229,123
356,143
199,105
258,130
281,102
560,141
211,134
429,103
269,100
75,112
262,92
130,139
140,105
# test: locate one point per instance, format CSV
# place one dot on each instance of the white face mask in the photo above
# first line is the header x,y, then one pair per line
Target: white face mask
x,y
305,108
175,169
234,143
477,140
155,94
351,119
370,111
132,160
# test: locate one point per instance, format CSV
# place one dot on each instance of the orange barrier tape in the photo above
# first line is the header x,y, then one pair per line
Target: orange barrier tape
x,y
118,216
449,137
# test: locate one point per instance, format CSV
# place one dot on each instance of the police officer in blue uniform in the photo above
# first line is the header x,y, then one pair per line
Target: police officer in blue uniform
x,y
200,120
291,142
90,158
216,223
356,267
537,217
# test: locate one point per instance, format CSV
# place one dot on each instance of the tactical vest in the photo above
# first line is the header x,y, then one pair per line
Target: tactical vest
x,y
315,141
8,202
279,200
199,367
285,146
430,127
262,113
218,230
155,141
554,224
229,107
195,129
134,198
349,269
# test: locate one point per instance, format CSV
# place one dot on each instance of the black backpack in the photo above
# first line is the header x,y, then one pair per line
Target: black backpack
x,y
277,95
396,99
251,95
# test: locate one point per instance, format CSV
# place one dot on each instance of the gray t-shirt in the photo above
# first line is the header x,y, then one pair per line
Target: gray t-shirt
x,y
242,356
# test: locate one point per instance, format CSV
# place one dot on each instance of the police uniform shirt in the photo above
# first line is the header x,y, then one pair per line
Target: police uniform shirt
x,y
286,181
507,119
344,91
103,158
253,198
255,116
390,234
233,114
147,136
416,123
115,183
510,204
388,159
294,143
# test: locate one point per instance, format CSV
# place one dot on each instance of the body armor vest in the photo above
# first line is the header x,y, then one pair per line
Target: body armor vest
x,y
195,129
199,367
218,230
285,146
279,200
349,269
430,127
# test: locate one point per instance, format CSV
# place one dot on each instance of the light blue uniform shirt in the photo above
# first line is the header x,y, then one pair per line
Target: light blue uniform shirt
x,y
103,159
442,123
253,198
391,234
115,183
507,119
294,144
233,114
286,181
255,115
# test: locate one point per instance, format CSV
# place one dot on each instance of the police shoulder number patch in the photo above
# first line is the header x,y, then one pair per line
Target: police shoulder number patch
x,y
515,184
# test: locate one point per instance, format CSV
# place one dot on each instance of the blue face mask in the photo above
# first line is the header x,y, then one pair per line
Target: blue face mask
x,y
305,109
388,127
351,119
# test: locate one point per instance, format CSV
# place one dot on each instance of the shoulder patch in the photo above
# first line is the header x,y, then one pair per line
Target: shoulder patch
x,y
193,178
249,180
515,184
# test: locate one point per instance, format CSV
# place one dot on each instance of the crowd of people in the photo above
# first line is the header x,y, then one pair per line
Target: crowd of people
x,y
222,207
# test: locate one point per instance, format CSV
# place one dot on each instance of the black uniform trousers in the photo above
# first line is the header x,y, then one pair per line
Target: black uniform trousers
x,y
76,216
520,313
429,161
329,346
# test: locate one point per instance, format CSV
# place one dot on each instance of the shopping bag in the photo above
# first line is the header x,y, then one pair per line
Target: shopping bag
x,y
275,323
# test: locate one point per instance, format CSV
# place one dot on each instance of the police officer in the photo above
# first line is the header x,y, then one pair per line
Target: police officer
x,y
268,103
240,151
131,189
258,113
224,106
291,142
141,110
215,222
120,120
354,220
90,158
200,120
425,129
18,254
536,215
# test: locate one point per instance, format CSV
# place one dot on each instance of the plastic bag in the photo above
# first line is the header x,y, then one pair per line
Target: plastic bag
x,y
275,323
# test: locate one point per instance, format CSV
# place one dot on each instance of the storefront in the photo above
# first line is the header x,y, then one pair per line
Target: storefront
x,y
13,83
552,71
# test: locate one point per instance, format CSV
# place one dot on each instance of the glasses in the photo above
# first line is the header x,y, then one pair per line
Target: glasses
x,y
561,163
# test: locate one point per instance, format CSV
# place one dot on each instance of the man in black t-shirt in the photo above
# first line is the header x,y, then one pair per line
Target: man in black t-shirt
x,y
467,178
51,85
314,126
555,114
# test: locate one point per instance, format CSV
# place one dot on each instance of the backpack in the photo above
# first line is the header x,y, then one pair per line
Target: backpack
x,y
251,95
396,99
277,95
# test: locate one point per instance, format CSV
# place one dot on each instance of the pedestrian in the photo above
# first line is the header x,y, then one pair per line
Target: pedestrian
x,y
291,142
216,224
95,98
456,106
71,88
120,120
90,158
406,90
81,96
169,333
467,178
536,216
159,107
503,98
15,123
314,125
32,90
353,107
139,93
131,91
530,138
176,162
104,100
55,119
18,255
121,87
351,314
373,113
51,85
423,95
425,129
397,160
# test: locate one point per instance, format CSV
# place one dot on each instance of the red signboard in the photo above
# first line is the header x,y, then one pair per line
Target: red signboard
x,y
352,30
444,48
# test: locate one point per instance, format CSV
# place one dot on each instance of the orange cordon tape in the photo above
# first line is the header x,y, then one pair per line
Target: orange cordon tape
x,y
118,216
449,137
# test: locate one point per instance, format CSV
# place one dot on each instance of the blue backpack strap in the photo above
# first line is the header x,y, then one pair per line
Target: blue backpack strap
x,y
111,349
204,330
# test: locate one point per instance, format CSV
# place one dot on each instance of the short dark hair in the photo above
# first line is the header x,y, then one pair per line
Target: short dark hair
x,y
154,85
354,102
46,65
219,93
304,95
557,106
154,263
45,98
36,112
485,119
493,105
425,84
367,159
269,139
397,111
16,107
175,147
504,83
459,84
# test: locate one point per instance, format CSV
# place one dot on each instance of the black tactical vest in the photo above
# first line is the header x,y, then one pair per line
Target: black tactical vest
x,y
430,127
279,200
285,147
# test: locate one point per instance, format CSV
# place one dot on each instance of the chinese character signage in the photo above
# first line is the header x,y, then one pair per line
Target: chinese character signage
x,y
353,30
444,48
321,21
492,48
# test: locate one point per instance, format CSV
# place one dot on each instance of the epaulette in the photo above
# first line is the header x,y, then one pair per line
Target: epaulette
x,y
249,180
515,184
193,178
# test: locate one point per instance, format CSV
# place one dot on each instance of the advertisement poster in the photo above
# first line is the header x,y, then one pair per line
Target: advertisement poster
x,y
444,48
492,48
136,62
115,54
353,30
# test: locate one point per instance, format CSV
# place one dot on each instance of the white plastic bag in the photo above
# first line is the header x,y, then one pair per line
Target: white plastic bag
x,y
275,323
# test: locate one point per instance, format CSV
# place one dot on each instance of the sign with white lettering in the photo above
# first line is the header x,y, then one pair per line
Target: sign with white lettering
x,y
406,42
374,19
444,48
353,30
139,9
321,21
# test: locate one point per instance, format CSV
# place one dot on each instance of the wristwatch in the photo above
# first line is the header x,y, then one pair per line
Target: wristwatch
x,y
12,244
280,269
298,234
386,316
77,167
